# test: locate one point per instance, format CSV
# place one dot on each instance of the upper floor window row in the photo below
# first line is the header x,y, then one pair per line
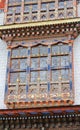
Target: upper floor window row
x,y
11,1
34,7
15,10
50,5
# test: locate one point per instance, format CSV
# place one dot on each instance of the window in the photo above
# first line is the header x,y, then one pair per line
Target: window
x,y
10,10
18,9
61,4
18,0
51,5
18,65
43,6
69,3
34,8
10,1
26,8
30,0
26,0
39,63
60,67
40,72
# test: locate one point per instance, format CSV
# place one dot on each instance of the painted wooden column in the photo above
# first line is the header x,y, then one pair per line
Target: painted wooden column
x,y
56,9
39,9
5,11
22,10
48,11
14,15
30,13
65,10
74,8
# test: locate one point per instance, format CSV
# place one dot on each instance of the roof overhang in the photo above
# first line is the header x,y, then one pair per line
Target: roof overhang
x,y
63,27
40,23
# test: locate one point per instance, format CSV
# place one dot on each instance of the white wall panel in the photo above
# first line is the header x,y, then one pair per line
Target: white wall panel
x,y
1,18
76,49
3,65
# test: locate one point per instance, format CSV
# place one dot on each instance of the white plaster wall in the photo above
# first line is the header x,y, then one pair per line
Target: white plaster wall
x,y
3,65
1,18
76,49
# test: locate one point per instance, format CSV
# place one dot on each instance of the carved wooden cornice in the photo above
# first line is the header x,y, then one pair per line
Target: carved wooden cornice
x,y
41,29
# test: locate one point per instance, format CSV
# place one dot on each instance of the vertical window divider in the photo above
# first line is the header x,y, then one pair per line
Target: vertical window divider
x,y
22,10
28,69
56,9
30,16
59,78
70,70
75,8
39,9
49,67
47,11
65,9
39,64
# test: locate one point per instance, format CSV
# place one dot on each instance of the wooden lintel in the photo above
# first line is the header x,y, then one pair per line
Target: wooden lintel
x,y
40,110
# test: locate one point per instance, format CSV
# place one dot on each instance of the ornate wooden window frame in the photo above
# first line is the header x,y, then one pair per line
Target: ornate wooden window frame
x,y
48,90
70,11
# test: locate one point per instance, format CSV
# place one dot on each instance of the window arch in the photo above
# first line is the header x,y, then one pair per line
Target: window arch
x,y
43,17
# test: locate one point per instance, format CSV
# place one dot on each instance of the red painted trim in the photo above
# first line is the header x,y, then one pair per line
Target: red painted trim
x,y
63,109
2,4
